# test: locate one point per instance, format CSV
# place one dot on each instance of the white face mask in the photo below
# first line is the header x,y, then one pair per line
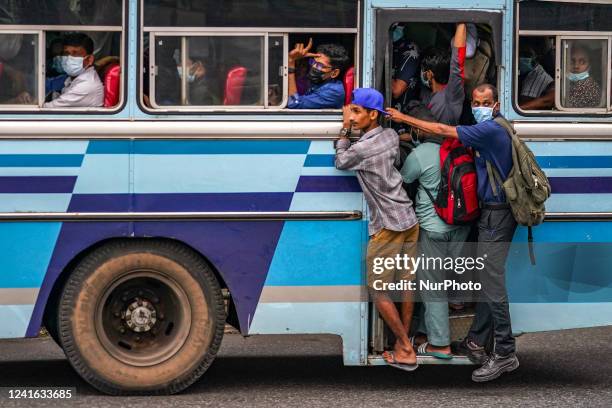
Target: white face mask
x,y
190,77
73,66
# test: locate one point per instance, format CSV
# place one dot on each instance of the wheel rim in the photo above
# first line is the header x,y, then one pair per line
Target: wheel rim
x,y
143,318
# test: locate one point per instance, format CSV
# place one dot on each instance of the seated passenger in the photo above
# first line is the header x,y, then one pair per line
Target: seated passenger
x,y
200,92
584,91
405,69
55,77
442,75
537,88
13,81
326,90
83,87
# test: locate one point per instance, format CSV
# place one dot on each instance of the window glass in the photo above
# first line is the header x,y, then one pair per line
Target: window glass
x,y
579,16
248,13
61,12
536,72
584,69
18,69
215,70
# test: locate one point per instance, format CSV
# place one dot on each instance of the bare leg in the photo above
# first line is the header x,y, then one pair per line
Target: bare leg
x,y
404,353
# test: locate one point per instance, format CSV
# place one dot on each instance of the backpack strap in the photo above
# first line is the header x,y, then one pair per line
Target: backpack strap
x,y
506,125
493,174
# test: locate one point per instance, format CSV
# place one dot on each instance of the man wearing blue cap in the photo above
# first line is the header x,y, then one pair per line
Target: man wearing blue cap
x,y
393,226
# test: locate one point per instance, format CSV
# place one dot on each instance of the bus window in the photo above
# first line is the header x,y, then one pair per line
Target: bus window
x,y
63,12
18,69
584,73
200,56
536,73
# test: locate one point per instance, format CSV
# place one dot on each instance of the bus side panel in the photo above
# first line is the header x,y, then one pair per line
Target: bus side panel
x,y
45,176
571,284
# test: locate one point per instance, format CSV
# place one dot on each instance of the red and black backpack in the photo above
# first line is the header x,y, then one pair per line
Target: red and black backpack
x,y
457,199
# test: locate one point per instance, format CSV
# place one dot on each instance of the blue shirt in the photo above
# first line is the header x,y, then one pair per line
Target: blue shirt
x,y
407,67
55,84
493,143
328,95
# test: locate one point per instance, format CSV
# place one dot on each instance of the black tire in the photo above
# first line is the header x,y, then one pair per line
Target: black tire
x,y
141,317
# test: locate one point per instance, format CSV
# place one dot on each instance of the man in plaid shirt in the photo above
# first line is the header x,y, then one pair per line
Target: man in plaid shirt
x,y
393,226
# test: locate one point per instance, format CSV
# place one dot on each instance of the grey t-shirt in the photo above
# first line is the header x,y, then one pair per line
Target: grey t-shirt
x,y
446,105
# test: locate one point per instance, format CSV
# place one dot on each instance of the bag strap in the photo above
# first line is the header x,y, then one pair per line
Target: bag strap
x,y
493,174
530,241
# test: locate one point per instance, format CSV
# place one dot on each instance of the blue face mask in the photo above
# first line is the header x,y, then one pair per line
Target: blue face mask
x,y
72,66
398,33
56,64
581,76
190,77
526,65
482,113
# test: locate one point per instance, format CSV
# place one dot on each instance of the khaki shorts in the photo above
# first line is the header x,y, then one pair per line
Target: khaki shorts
x,y
389,244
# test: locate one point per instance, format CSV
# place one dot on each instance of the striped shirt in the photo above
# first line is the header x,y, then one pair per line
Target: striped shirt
x,y
374,157
536,82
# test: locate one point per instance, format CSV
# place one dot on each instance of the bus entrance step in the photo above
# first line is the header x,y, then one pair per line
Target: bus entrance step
x,y
378,360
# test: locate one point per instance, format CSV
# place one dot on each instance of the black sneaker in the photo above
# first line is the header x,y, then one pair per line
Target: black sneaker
x,y
495,366
473,351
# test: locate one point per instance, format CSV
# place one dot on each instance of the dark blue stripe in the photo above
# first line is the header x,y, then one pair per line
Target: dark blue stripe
x,y
580,185
575,162
325,184
199,147
37,184
320,160
180,202
41,160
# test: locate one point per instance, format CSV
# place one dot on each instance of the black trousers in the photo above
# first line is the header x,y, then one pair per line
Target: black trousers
x,y
496,228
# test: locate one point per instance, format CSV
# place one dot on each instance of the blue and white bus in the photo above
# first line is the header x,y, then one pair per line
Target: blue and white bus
x,y
134,231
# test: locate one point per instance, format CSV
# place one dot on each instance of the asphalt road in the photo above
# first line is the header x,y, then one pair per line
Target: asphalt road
x,y
567,368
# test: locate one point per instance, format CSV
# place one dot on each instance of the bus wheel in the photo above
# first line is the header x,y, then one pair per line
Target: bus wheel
x,y
141,317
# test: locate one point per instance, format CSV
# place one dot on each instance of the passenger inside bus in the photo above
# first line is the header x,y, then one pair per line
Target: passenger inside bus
x,y
199,88
584,90
406,68
537,87
326,90
83,87
14,75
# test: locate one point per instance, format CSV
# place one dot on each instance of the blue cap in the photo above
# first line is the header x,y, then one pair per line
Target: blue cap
x,y
369,98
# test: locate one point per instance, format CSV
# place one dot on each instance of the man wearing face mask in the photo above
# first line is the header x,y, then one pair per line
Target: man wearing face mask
x,y
537,87
83,88
326,90
442,78
496,228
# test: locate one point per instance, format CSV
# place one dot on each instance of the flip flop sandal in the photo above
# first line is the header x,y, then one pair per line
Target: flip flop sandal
x,y
400,366
422,351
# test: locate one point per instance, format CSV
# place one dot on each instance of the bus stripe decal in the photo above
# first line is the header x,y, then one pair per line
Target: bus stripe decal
x,y
37,184
41,160
578,185
312,184
190,147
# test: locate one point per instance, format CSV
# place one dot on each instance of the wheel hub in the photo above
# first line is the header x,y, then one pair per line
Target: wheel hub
x,y
140,316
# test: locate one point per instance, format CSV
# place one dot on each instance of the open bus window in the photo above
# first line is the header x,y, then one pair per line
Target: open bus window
x,y
584,73
18,69
213,70
536,72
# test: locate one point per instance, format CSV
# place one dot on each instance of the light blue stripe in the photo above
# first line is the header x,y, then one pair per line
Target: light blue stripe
x,y
565,148
102,174
39,171
15,320
26,250
41,160
578,172
336,245
341,318
217,173
327,202
325,171
201,147
34,202
43,146
579,203
321,147
533,317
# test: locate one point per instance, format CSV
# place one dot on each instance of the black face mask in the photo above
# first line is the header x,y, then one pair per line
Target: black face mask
x,y
315,76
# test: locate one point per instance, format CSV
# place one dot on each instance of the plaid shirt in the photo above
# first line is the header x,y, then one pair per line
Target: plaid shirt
x,y
374,157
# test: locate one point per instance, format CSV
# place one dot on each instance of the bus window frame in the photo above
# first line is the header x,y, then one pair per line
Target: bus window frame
x,y
566,112
41,66
285,32
39,72
558,73
183,34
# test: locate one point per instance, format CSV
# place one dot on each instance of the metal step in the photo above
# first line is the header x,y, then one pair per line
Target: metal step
x,y
377,360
